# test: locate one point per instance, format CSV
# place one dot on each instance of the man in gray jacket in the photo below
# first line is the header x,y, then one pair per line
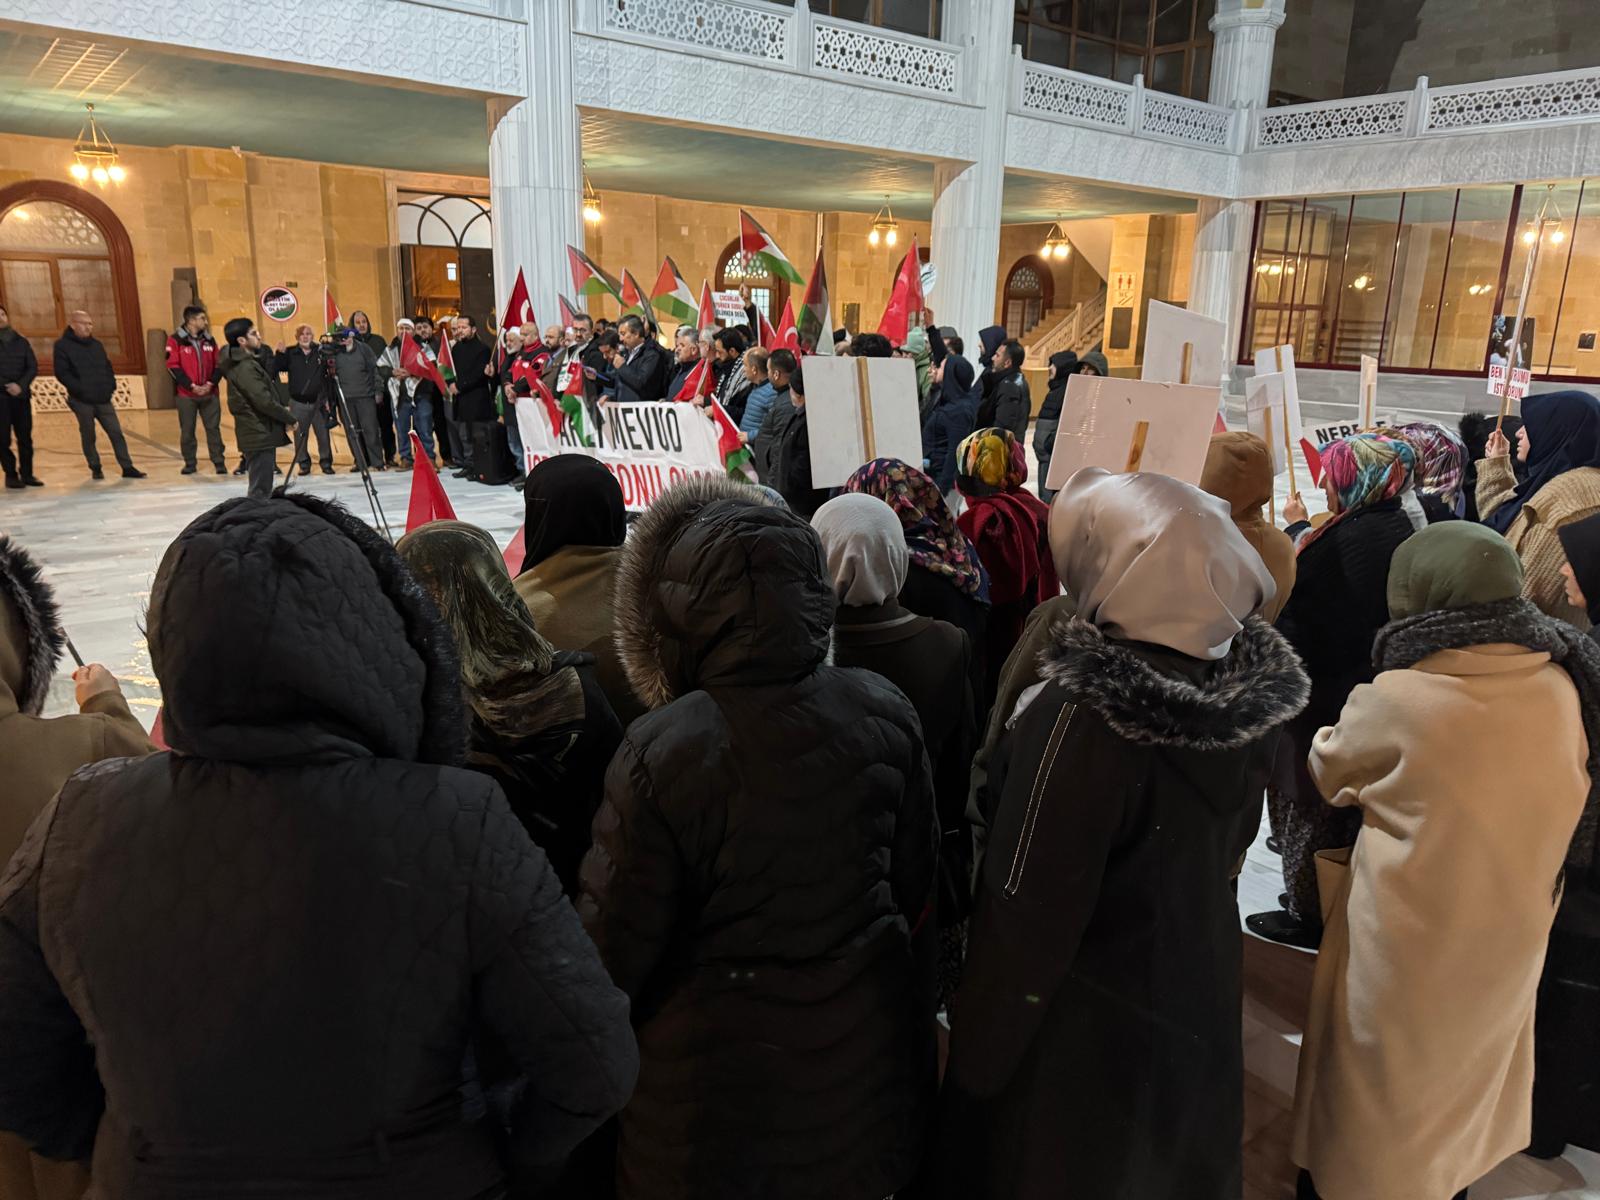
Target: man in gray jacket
x,y
356,368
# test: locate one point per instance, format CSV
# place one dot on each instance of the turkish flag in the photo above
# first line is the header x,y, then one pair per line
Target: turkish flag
x,y
904,300
519,309
428,501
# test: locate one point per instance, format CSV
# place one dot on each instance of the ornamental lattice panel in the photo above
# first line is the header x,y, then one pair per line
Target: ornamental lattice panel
x,y
1186,120
1076,98
1551,99
888,60
713,24
1304,125
50,396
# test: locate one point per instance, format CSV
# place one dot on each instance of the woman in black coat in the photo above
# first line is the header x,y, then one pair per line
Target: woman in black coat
x,y
762,873
1340,601
538,723
257,964
1095,1045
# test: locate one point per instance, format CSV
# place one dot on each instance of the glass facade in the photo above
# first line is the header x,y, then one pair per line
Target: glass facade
x,y
1167,41
1417,278
920,17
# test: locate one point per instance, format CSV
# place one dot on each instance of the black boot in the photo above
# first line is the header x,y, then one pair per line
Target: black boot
x,y
1303,1187
13,481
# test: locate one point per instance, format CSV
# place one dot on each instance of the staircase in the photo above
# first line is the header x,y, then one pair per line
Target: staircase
x,y
1078,329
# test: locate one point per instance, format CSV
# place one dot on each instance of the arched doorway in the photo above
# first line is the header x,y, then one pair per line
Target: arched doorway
x,y
62,249
1030,292
767,291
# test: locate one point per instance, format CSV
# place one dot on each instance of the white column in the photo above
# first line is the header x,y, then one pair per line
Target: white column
x,y
967,199
535,169
1241,72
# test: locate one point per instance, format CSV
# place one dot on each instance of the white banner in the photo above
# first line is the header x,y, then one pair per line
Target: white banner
x,y
648,447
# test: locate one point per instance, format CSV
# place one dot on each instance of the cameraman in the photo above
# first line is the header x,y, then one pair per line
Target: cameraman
x,y
308,398
355,369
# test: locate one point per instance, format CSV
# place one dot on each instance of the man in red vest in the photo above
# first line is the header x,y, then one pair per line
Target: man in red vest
x,y
192,361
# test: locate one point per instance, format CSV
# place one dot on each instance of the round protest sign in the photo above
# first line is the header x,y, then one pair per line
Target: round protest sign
x,y
279,303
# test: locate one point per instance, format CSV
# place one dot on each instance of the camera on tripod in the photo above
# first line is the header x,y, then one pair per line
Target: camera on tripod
x,y
329,344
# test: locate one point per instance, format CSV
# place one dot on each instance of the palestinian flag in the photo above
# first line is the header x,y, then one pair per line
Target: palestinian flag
x,y
551,409
813,323
672,295
447,361
332,317
572,401
735,454
417,359
700,383
569,315
786,336
707,316
757,242
635,301
588,279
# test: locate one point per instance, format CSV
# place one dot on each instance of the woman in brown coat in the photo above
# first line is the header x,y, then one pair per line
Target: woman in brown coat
x,y
1239,470
39,753
1416,1074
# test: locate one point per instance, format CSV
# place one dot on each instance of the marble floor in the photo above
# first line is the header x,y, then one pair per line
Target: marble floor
x,y
101,543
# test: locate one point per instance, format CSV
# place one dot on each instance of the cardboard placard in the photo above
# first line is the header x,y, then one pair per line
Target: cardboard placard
x,y
1167,330
1280,360
1367,402
1101,423
730,308
1263,394
858,409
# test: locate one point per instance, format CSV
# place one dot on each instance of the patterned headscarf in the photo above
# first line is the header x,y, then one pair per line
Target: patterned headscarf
x,y
1441,461
1365,469
936,544
990,461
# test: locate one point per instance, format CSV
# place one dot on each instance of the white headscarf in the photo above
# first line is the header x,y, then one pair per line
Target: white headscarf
x,y
865,545
1152,559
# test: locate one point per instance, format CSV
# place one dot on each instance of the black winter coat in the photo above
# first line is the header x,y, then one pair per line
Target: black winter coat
x,y
791,462
645,377
266,955
17,361
929,594
762,871
307,376
84,368
1095,1044
1007,406
256,399
474,391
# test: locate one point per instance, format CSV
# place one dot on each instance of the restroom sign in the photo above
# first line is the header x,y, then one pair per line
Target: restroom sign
x,y
279,303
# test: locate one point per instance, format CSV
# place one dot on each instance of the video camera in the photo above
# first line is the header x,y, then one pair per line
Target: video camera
x,y
329,343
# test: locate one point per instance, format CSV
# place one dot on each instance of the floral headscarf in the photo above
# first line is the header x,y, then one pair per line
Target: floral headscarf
x,y
1365,469
1441,461
936,544
990,461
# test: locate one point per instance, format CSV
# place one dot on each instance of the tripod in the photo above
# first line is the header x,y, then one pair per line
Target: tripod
x,y
358,448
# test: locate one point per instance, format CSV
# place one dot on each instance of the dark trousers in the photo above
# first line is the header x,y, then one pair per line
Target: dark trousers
x,y
260,464
386,426
461,435
209,410
364,417
309,417
16,417
87,415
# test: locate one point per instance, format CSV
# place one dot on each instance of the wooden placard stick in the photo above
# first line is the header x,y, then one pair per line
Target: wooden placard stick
x,y
1288,447
1188,362
1141,431
1369,407
869,437
1272,498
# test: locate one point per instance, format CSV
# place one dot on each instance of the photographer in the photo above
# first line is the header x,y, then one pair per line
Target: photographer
x,y
261,421
308,397
355,369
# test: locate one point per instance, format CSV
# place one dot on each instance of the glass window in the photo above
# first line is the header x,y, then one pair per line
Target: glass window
x,y
1559,205
1413,306
1200,76
1472,278
55,259
1172,21
1166,75
1118,39
1135,27
1575,351
1050,46
1098,16
1129,64
1092,58
1364,292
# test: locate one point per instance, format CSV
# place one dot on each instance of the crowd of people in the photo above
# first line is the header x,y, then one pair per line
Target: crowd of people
x,y
794,842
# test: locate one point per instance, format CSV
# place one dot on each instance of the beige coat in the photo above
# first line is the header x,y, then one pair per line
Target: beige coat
x,y
1570,496
1416,1073
569,595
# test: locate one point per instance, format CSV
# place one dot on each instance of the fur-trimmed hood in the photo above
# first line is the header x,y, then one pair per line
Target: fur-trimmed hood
x,y
719,586
31,637
1259,685
288,630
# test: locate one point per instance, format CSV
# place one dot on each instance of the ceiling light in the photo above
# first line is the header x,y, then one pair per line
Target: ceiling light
x,y
94,155
1361,282
1056,244
1557,236
884,227
591,202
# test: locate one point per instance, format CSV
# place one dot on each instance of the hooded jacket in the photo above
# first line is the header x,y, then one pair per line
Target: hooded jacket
x,y
1239,470
951,420
1063,365
40,752
261,420
306,915
763,866
84,368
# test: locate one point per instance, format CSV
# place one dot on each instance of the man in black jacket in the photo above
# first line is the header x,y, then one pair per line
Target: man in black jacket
x,y
84,369
1008,404
642,374
355,368
18,367
308,398
473,400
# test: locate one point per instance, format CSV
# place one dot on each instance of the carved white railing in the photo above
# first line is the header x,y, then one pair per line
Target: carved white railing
x,y
1462,108
1078,331
775,35
1056,94
878,55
